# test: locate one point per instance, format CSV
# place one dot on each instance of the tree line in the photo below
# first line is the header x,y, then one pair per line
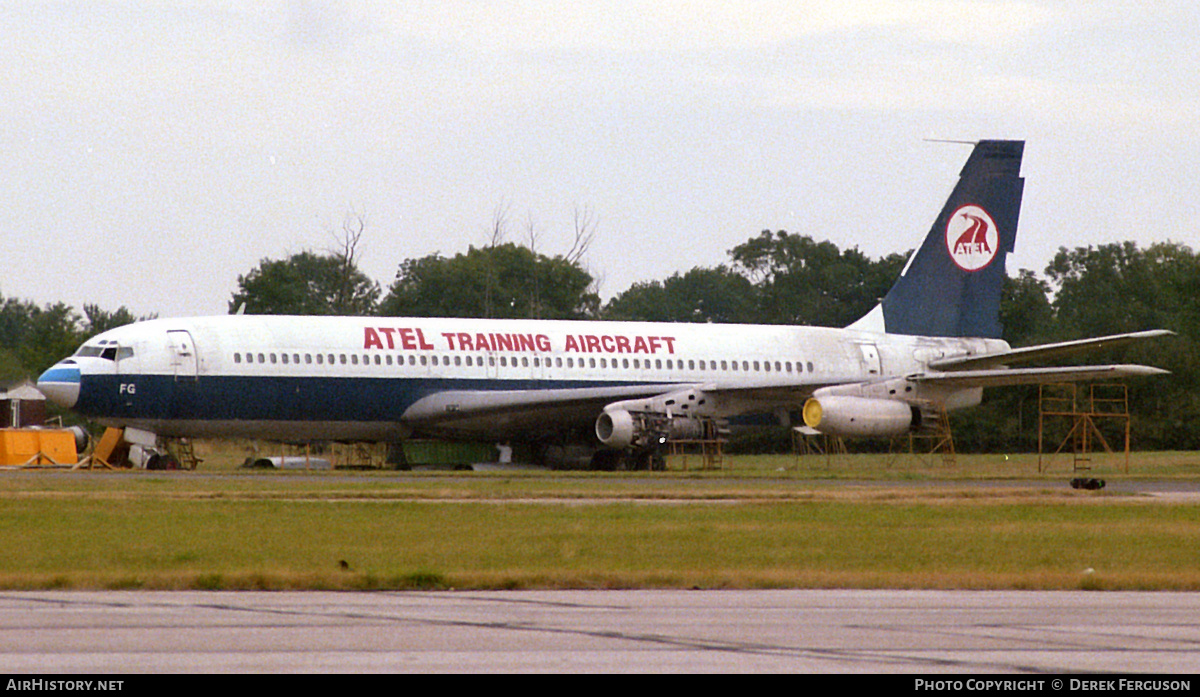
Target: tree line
x,y
775,277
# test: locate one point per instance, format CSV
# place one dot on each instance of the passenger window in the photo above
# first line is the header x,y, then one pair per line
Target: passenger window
x,y
237,358
272,359
285,359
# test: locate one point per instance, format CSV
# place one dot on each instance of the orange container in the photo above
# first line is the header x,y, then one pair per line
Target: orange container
x,y
37,446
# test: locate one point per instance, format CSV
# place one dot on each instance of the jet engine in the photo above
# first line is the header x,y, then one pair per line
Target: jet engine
x,y
619,429
642,423
845,416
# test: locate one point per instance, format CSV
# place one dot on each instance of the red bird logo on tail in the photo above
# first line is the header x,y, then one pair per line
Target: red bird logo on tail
x,y
971,238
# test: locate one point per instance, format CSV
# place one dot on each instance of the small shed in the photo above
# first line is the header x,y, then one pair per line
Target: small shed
x,y
21,406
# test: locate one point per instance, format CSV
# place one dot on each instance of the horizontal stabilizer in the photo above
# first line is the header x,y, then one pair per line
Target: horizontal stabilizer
x,y
1044,352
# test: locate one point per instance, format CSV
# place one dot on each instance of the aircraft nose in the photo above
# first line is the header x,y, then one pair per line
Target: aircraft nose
x,y
60,384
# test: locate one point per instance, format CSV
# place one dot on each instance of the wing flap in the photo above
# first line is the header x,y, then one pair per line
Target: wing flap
x,y
457,404
963,379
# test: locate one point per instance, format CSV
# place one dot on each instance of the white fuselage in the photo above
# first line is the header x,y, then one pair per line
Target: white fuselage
x,y
382,379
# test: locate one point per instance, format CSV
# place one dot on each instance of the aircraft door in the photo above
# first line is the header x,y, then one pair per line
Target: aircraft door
x,y
870,359
184,361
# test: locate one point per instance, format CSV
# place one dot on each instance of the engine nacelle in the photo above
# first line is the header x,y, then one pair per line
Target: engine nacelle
x,y
615,428
839,415
619,429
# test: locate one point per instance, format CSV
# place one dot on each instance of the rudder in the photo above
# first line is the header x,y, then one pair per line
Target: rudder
x,y
951,286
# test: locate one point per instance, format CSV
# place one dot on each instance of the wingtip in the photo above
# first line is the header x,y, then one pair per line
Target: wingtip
x,y
1140,370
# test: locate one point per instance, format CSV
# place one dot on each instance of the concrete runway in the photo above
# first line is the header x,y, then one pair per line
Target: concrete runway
x,y
922,632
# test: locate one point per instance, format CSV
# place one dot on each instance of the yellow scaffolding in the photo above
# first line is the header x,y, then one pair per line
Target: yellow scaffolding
x,y
711,447
1065,401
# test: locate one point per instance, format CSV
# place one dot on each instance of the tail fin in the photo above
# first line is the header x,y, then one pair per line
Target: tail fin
x,y
951,285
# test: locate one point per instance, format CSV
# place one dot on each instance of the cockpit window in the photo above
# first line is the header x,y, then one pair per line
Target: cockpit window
x,y
108,351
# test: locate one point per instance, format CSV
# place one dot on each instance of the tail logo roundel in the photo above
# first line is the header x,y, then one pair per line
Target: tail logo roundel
x,y
972,238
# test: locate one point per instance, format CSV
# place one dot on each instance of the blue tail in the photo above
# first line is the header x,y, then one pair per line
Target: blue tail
x,y
952,284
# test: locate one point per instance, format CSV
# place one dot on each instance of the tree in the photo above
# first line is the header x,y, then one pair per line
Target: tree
x,y
38,337
306,284
805,282
101,320
1120,288
1025,310
502,280
700,295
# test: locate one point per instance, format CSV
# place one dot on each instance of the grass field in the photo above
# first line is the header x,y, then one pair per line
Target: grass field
x,y
760,522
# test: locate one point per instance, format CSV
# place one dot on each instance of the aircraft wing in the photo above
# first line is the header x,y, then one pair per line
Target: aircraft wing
x,y
963,379
1044,352
490,413
794,395
522,412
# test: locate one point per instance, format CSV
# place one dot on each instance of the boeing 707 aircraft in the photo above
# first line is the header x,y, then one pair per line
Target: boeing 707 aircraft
x,y
619,388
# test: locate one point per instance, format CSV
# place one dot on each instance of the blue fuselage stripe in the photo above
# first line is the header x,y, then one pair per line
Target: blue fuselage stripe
x,y
275,398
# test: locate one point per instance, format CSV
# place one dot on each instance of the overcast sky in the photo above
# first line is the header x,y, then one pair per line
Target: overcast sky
x,y
153,151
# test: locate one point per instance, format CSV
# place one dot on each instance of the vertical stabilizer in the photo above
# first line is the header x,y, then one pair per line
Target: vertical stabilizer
x,y
952,284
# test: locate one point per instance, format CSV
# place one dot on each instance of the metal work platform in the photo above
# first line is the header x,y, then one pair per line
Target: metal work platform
x,y
1083,408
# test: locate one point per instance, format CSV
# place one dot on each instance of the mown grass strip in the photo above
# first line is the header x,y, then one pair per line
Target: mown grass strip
x,y
156,542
